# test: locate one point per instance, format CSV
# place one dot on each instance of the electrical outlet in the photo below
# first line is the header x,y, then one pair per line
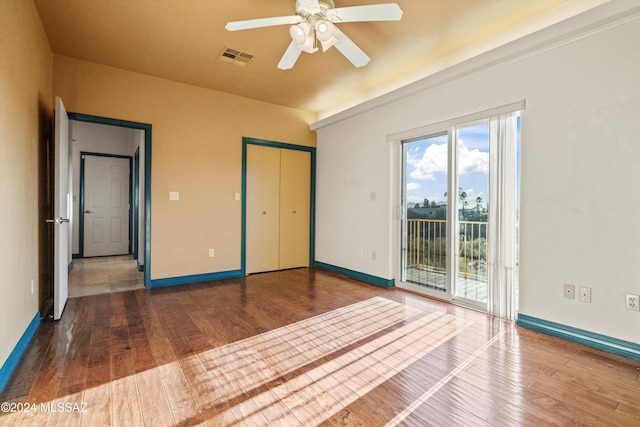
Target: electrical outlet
x,y
632,302
174,195
569,291
212,253
584,294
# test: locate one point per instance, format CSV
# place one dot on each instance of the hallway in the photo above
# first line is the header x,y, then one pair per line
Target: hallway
x,y
91,276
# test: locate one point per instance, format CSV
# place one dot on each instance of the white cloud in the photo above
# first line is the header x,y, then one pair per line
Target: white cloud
x,y
413,186
472,162
434,160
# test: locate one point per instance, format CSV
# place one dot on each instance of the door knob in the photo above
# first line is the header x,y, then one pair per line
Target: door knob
x,y
58,220
88,211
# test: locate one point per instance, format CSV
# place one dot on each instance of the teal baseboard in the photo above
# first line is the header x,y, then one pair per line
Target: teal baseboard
x,y
195,278
10,365
374,280
591,339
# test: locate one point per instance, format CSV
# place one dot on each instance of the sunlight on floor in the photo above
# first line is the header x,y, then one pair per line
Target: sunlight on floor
x,y
300,374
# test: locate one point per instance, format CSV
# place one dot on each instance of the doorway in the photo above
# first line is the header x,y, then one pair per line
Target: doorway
x,y
90,136
46,179
458,224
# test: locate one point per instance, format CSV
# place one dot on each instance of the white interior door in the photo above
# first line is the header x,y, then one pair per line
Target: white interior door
x,y
106,206
61,211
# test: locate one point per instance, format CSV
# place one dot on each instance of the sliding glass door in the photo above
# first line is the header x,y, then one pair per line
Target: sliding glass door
x,y
473,215
458,222
425,243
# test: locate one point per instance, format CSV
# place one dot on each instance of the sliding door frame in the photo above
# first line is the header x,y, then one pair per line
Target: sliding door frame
x,y
397,142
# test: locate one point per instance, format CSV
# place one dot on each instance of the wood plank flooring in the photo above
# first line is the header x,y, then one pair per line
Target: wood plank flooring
x,y
306,347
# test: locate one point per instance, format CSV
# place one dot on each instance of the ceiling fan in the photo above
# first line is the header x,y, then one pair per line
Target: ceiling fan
x,y
314,22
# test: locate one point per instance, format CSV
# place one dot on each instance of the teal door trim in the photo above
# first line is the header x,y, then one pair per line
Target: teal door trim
x,y
147,175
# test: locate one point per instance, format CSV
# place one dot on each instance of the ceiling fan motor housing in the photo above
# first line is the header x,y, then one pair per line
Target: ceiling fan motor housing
x,y
311,13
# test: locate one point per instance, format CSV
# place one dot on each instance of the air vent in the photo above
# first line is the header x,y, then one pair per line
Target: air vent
x,y
235,57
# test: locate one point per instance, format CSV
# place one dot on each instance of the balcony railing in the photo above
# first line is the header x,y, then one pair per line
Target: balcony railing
x,y
426,247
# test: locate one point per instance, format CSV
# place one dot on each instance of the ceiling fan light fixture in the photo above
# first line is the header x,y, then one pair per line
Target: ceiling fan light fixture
x,y
303,36
300,32
325,32
324,29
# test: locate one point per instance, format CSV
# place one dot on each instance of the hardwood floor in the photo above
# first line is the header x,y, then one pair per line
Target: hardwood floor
x,y
307,347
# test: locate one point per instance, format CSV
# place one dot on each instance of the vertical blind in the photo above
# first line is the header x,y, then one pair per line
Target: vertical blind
x,y
502,237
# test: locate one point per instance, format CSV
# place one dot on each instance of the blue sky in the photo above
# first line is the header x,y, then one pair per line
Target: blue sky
x,y
427,166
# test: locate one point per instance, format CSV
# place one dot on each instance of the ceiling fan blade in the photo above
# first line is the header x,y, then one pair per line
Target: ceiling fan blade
x,y
290,57
263,22
350,50
375,12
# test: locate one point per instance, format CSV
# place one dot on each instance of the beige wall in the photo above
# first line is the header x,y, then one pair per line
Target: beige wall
x,y
25,109
196,150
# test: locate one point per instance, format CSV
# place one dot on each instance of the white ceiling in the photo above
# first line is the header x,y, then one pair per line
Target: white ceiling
x,y
180,40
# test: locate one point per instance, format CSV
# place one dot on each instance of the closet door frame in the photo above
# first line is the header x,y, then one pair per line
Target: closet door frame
x,y
312,194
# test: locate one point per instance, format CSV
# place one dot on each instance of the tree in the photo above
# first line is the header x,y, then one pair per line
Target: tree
x,y
478,204
462,195
425,204
416,206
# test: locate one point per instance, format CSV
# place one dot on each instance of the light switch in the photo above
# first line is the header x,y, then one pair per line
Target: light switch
x,y
174,195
